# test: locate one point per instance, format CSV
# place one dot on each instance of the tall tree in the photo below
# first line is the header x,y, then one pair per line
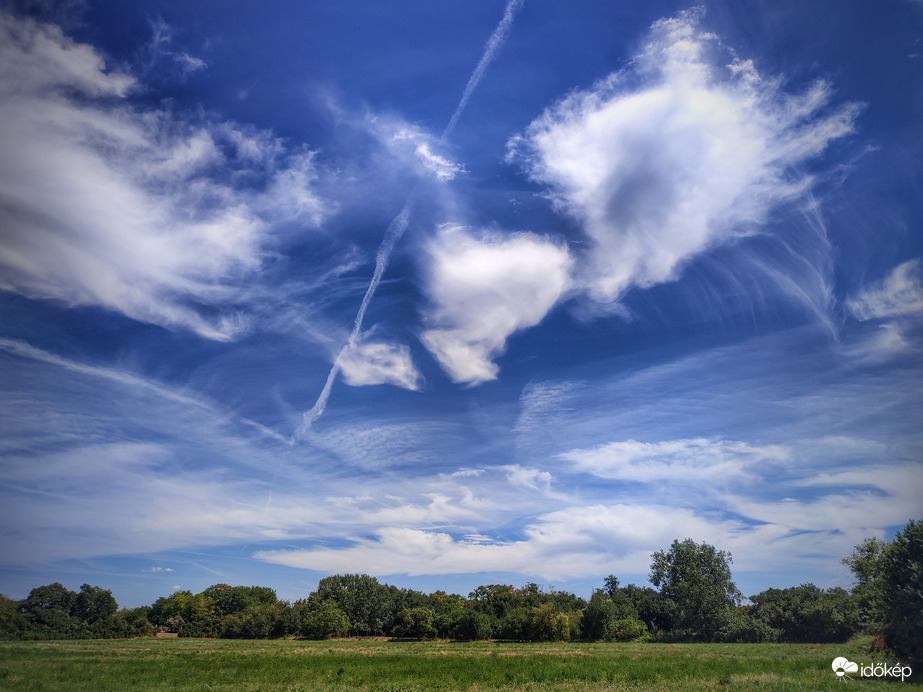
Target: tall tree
x,y
901,593
697,578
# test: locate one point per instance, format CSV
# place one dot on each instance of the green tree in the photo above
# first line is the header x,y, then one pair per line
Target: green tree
x,y
365,601
597,616
416,623
94,603
12,622
325,619
49,611
807,613
465,625
697,578
865,563
901,593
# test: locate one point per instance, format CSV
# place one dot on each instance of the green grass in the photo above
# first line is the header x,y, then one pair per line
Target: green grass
x,y
379,665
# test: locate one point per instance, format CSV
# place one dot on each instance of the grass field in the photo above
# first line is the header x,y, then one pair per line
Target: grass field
x,y
380,665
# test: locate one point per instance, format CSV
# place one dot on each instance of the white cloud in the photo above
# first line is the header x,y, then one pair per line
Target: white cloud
x,y
369,363
678,154
410,143
900,294
483,289
157,570
677,460
891,309
133,210
573,542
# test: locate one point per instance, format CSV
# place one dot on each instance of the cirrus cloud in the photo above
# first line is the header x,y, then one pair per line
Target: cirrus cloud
x,y
151,213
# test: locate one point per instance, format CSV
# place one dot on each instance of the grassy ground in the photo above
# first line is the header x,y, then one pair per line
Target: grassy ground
x,y
379,665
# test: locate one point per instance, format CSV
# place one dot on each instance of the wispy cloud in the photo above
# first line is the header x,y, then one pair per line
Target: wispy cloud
x,y
681,461
483,289
892,312
130,209
900,294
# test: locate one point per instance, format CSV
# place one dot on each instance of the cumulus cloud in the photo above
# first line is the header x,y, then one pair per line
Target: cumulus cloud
x,y
157,570
676,460
687,149
483,289
138,211
379,363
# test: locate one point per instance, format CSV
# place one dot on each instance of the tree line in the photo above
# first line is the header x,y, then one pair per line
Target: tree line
x,y
695,599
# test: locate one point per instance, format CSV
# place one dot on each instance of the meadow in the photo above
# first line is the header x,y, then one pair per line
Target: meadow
x,y
377,664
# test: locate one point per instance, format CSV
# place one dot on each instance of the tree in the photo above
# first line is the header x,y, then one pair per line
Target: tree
x,y
416,623
465,625
901,593
865,563
326,620
807,613
597,616
94,603
697,578
365,601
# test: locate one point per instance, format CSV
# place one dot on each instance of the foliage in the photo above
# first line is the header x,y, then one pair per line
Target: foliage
x,y
901,593
416,623
366,603
324,620
807,613
697,578
464,625
865,563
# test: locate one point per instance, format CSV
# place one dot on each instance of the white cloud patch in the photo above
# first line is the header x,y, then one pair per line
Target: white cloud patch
x,y
900,294
485,288
137,211
891,309
677,460
370,363
424,148
158,570
678,154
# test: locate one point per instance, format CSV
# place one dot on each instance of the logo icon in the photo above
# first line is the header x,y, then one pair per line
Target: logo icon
x,y
841,666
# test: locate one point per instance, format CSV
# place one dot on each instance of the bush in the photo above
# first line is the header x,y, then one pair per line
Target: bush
x,y
746,628
626,630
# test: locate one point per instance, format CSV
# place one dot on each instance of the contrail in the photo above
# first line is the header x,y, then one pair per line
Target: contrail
x,y
393,234
399,223
494,44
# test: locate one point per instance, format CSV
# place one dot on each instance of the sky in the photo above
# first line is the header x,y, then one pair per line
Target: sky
x,y
456,293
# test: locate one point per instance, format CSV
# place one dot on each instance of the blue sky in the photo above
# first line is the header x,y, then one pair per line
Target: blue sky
x,y
645,271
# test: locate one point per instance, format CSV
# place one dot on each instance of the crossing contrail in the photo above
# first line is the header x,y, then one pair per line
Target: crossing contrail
x,y
399,223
